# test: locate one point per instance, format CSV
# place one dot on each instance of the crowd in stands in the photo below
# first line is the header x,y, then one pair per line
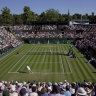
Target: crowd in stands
x,y
14,88
43,88
88,40
50,27
40,35
49,35
22,27
65,31
87,46
86,33
7,39
32,27
78,27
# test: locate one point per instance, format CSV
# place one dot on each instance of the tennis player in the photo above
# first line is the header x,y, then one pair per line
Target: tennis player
x,y
29,69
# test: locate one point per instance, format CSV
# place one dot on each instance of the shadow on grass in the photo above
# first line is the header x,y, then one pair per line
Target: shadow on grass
x,y
86,62
93,63
61,54
22,72
82,57
94,72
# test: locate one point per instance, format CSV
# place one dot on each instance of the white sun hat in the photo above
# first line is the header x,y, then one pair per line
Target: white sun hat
x,y
81,91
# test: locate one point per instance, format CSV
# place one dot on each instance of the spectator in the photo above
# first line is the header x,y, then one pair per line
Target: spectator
x,y
44,92
34,91
67,92
23,92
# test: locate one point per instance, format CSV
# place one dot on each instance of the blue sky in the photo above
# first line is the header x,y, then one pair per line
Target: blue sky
x,y
38,6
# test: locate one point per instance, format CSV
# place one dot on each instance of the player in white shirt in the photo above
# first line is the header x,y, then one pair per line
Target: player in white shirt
x,y
28,68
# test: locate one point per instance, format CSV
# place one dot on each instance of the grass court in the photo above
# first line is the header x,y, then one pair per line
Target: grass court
x,y
48,62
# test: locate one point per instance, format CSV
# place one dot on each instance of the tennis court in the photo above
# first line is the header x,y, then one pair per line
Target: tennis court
x,y
48,62
51,60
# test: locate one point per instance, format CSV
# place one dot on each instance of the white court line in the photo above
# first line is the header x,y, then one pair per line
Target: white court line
x,y
43,62
47,51
50,50
44,58
24,60
61,61
42,73
48,46
68,64
50,73
17,63
13,72
22,63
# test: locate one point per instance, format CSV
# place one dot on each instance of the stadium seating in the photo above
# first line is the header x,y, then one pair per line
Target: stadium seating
x,y
7,39
15,88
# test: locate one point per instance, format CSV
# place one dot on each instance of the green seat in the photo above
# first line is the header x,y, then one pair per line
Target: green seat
x,y
2,37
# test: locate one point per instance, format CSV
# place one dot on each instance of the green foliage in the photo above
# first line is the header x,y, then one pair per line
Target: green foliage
x,y
26,9
28,15
67,17
77,16
7,17
1,20
17,19
52,15
42,17
61,18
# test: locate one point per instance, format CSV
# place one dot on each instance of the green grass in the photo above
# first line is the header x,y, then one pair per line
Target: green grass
x,y
48,63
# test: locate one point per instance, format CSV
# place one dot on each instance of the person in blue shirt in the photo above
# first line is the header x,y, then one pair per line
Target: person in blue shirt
x,y
67,92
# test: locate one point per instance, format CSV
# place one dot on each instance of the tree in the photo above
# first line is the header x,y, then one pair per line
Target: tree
x,y
52,15
1,20
28,15
67,18
92,18
61,18
92,14
7,18
42,16
85,16
17,19
26,9
76,16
